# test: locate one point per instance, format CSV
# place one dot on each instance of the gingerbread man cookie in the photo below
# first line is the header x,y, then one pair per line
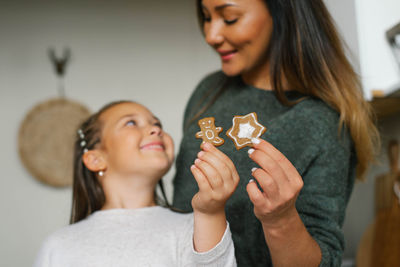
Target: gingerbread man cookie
x,y
245,128
209,133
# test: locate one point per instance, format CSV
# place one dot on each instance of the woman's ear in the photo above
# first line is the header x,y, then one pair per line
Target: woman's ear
x,y
94,160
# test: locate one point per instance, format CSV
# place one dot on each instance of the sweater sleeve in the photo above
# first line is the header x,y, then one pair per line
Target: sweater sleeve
x,y
328,182
222,255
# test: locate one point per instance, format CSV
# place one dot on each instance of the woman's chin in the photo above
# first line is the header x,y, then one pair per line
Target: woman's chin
x,y
229,71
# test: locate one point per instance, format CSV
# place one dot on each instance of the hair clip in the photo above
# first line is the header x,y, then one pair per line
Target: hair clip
x,y
83,141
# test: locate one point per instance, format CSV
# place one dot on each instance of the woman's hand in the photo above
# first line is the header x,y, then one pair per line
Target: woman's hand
x,y
274,206
216,177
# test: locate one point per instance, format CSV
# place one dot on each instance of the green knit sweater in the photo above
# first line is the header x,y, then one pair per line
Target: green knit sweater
x,y
306,133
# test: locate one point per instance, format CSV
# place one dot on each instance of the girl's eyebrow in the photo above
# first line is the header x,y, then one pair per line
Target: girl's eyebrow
x,y
135,115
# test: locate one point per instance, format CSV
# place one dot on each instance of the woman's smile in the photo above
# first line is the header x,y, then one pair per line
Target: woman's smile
x,y
226,55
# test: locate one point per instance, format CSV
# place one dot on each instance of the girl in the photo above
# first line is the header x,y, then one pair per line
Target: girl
x,y
284,60
121,153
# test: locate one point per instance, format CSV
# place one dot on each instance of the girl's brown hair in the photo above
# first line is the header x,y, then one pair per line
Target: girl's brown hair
x,y
307,53
87,193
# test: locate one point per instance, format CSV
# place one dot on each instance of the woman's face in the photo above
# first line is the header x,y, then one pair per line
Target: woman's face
x,y
133,141
239,30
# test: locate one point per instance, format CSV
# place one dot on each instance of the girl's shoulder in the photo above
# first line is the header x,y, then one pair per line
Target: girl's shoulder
x,y
67,234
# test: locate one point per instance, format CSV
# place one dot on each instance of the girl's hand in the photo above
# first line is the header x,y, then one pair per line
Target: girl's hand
x,y
280,183
216,177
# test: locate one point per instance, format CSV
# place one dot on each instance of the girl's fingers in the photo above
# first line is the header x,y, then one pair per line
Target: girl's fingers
x,y
218,153
212,175
217,164
201,180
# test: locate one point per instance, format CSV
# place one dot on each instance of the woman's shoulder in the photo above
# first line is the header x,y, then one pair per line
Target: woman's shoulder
x,y
213,77
317,122
316,114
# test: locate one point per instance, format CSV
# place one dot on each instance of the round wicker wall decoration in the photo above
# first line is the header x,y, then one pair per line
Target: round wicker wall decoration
x,y
46,140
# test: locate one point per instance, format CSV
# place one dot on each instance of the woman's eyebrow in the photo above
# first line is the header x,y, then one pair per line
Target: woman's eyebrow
x,y
220,7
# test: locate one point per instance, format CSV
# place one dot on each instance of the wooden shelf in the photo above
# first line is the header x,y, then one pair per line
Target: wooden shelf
x,y
386,106
386,103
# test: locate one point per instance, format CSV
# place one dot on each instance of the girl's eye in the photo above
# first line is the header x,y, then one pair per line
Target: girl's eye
x,y
158,124
131,123
207,19
229,22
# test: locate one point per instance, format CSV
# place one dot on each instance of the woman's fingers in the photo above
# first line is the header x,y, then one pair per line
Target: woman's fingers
x,y
279,181
269,166
286,166
256,196
267,183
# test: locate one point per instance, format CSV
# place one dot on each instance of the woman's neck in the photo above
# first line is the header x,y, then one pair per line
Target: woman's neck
x,y
257,81
261,78
128,193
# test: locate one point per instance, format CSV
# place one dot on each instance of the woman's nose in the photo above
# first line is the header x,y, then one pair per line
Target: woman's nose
x,y
213,34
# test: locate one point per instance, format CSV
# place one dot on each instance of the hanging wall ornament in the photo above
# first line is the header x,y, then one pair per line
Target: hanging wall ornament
x,y
47,133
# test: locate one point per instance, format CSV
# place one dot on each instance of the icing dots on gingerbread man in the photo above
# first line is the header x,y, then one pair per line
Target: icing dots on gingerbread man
x,y
245,128
208,131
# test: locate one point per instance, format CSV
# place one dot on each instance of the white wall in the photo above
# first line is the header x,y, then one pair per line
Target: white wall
x,y
378,66
149,51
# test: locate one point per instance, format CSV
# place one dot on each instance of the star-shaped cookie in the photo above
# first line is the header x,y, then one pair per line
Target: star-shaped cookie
x,y
245,128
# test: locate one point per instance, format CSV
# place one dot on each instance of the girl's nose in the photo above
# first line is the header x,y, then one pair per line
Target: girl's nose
x,y
213,34
155,130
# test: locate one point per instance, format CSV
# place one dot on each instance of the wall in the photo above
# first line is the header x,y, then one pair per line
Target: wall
x,y
378,66
148,51
378,71
152,53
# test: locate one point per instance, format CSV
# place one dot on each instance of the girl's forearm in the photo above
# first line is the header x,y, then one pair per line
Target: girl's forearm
x,y
291,245
208,230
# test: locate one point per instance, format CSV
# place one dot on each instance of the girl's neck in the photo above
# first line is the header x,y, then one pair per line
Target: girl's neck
x,y
128,193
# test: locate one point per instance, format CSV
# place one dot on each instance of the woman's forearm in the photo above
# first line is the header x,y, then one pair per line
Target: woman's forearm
x,y
290,244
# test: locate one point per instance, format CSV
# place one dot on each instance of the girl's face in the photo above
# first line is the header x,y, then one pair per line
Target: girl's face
x,y
239,30
134,143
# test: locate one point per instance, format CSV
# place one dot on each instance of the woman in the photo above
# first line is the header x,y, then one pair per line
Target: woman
x,y
282,59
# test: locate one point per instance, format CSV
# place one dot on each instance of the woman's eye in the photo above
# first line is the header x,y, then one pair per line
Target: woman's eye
x,y
229,22
131,123
207,19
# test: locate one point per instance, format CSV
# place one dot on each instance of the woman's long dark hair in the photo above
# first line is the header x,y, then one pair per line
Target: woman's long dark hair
x,y
307,52
87,194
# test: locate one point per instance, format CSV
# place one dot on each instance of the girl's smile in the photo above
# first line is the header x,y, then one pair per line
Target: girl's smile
x,y
158,146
